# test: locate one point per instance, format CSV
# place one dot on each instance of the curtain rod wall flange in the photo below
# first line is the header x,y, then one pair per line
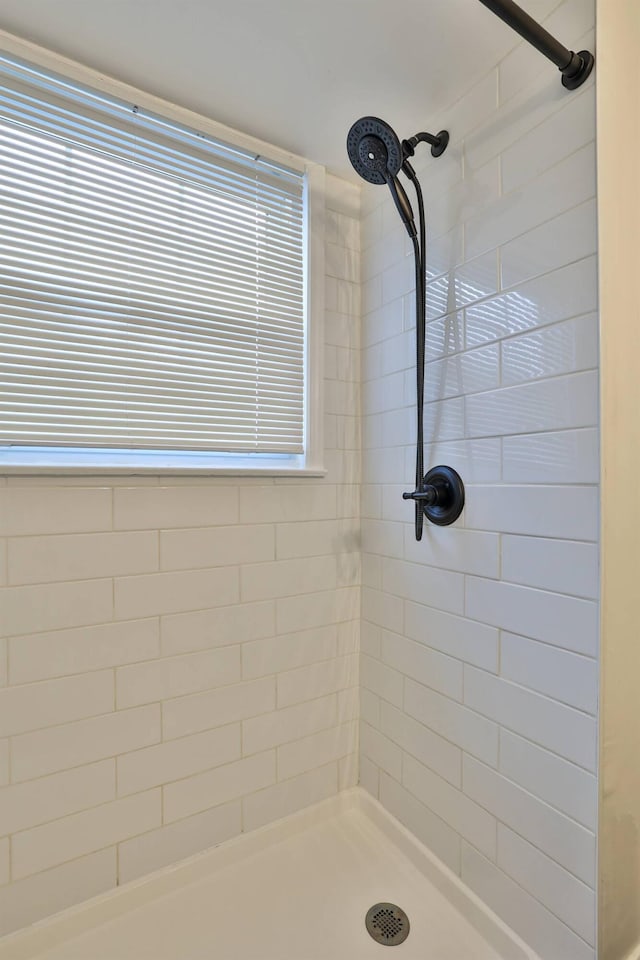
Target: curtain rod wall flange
x,y
574,67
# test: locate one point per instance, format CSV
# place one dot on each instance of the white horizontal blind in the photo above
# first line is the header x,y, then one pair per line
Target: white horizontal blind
x,y
151,280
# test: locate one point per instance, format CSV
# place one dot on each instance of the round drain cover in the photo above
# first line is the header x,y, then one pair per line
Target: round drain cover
x,y
387,924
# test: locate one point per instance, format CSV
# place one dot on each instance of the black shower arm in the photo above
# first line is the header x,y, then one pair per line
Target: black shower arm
x,y
574,67
438,143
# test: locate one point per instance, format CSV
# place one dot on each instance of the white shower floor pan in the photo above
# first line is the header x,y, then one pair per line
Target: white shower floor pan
x,y
296,890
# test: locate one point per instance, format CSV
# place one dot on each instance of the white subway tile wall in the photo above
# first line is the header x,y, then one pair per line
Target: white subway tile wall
x,y
178,657
479,645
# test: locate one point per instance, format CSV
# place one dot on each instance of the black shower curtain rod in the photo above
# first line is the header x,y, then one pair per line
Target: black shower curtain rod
x,y
574,67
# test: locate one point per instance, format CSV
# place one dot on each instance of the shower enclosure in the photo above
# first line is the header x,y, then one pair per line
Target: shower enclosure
x,y
452,720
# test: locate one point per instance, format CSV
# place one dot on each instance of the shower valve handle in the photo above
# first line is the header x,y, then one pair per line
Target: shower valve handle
x,y
440,495
428,496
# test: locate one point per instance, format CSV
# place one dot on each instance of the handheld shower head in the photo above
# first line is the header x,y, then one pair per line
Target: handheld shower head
x,y
374,150
376,154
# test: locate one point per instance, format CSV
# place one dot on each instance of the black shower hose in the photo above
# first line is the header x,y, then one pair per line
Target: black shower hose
x,y
419,254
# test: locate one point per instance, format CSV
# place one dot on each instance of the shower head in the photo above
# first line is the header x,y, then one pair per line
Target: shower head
x,y
374,150
376,154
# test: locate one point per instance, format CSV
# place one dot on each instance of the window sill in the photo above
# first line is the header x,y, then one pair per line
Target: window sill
x,y
39,461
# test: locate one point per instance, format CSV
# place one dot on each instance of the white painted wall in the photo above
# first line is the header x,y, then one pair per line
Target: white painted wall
x,y
296,74
178,658
479,665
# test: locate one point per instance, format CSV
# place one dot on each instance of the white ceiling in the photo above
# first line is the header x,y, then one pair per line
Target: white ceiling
x,y
296,73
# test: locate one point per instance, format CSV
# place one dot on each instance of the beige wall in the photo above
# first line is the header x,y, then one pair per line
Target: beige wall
x,y
619,216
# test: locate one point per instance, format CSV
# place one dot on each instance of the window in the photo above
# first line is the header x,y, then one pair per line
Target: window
x,y
154,289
